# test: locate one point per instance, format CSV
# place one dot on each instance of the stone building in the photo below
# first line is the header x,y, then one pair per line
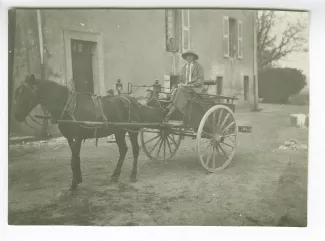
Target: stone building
x,y
90,49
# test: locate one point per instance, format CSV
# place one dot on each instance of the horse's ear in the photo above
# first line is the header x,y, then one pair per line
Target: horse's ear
x,y
30,79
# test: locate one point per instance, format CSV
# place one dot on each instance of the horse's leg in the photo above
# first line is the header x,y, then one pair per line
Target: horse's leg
x,y
75,146
120,140
135,149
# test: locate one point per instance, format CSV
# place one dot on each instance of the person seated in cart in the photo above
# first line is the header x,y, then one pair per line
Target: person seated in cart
x,y
191,79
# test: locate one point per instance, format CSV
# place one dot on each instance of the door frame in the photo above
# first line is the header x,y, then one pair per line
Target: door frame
x,y
98,58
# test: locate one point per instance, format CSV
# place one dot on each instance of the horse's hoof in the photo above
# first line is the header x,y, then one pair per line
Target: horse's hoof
x,y
133,179
73,187
114,179
80,180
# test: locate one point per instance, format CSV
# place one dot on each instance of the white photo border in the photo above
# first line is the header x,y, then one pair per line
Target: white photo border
x,y
316,182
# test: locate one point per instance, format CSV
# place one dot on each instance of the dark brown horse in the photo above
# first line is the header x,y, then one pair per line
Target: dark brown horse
x,y
63,104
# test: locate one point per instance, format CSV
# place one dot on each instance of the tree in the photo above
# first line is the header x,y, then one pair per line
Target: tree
x,y
277,36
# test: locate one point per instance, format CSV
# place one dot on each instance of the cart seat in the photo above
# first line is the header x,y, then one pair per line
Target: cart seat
x,y
209,82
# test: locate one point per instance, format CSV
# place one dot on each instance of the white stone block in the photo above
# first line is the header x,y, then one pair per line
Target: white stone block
x,y
298,120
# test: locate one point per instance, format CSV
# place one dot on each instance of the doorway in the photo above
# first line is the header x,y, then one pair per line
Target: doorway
x,y
82,65
246,87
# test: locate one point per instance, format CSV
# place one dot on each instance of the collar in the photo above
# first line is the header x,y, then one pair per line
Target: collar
x,y
189,64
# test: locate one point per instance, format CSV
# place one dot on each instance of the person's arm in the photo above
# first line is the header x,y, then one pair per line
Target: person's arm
x,y
199,77
182,76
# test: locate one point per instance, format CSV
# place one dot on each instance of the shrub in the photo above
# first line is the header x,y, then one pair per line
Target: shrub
x,y
299,99
275,85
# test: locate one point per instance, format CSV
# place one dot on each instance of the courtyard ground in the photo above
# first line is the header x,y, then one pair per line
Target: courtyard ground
x,y
262,186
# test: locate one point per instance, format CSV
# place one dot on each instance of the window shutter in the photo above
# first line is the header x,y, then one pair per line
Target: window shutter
x,y
171,38
226,36
185,30
188,27
240,40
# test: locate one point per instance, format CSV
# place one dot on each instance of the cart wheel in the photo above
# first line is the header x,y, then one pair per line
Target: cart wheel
x,y
159,145
217,138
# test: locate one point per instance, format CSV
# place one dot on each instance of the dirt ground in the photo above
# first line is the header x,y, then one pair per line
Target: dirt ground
x,y
262,186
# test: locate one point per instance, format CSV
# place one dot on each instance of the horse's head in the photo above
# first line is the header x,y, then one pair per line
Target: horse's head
x,y
26,98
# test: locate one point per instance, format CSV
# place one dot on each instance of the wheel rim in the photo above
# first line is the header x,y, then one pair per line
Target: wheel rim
x,y
159,145
217,138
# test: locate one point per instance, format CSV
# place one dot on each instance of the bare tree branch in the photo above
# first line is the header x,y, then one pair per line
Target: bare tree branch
x,y
272,47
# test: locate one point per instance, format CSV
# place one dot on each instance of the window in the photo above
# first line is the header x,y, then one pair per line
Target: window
x,y
240,39
225,36
232,38
185,30
177,30
172,36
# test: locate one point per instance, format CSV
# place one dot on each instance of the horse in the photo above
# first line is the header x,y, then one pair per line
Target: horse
x,y
63,104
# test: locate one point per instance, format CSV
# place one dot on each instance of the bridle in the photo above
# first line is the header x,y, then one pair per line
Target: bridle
x,y
31,103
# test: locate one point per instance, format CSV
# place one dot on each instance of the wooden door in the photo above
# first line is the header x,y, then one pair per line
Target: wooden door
x,y
246,87
82,65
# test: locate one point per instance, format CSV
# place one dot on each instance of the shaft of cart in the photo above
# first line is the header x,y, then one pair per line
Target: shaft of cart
x,y
159,126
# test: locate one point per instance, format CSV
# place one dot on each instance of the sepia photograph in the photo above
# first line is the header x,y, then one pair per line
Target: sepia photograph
x,y
158,117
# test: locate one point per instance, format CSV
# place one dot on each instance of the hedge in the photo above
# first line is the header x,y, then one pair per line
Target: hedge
x,y
276,85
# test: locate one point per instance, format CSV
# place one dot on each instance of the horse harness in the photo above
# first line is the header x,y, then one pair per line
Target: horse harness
x,y
71,104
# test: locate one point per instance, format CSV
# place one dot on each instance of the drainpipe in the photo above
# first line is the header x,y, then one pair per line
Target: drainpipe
x,y
11,47
40,37
41,47
255,69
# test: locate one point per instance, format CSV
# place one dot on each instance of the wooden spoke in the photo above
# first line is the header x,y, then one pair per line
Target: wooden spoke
x,y
166,141
162,140
210,156
204,146
227,144
224,121
213,158
204,151
227,127
172,140
217,149
152,139
206,133
155,145
214,122
170,151
205,141
219,117
173,137
233,141
164,147
222,152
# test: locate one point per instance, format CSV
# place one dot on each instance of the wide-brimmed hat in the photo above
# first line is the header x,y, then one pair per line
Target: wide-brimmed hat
x,y
184,55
